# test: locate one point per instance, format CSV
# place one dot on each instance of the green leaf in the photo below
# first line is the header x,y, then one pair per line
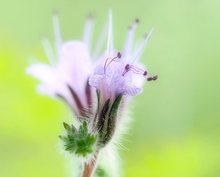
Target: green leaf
x,y
79,141
66,126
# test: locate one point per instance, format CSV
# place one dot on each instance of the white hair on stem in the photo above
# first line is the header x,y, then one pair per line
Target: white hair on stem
x,y
110,161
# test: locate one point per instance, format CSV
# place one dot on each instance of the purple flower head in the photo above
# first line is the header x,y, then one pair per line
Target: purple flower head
x,y
67,75
120,73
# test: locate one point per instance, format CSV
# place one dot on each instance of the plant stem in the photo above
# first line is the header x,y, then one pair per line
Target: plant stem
x,y
89,167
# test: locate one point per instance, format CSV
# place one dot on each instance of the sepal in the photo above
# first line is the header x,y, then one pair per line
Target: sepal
x,y
108,120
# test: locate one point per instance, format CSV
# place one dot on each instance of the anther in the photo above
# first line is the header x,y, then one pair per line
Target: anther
x,y
149,79
127,67
145,73
155,77
107,62
118,55
90,16
55,12
137,20
134,23
152,78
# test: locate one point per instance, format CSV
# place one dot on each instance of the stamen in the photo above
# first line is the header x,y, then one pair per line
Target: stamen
x,y
127,68
153,78
119,55
142,45
137,20
88,29
110,36
149,79
111,60
48,50
100,42
130,37
57,33
134,69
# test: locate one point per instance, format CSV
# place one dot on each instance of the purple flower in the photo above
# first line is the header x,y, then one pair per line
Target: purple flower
x,y
67,75
75,73
121,73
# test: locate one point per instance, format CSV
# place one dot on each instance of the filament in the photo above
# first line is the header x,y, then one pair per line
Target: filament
x,y
110,36
57,33
48,50
141,46
130,38
88,29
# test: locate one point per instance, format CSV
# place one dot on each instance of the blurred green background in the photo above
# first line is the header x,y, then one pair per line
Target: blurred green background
x,y
176,121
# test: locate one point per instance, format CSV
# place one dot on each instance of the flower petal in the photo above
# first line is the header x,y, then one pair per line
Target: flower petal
x,y
75,66
132,90
51,83
42,72
74,63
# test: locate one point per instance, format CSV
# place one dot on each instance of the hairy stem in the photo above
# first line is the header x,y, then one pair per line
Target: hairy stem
x,y
89,167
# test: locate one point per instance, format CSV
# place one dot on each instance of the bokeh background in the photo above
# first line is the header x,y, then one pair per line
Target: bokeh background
x,y
176,121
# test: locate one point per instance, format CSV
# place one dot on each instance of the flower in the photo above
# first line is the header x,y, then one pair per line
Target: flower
x,y
74,74
67,76
120,73
73,77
